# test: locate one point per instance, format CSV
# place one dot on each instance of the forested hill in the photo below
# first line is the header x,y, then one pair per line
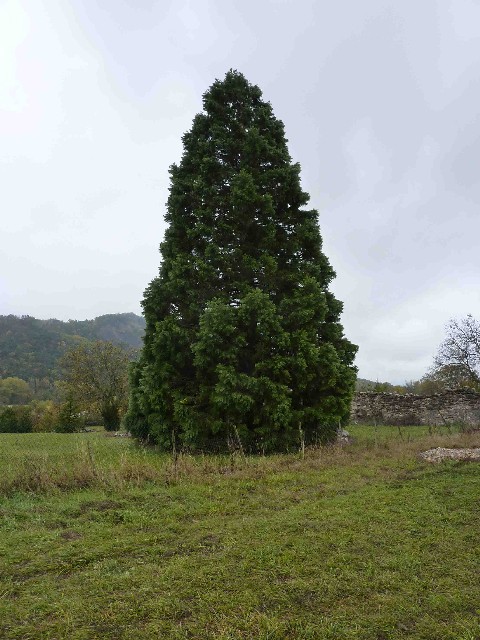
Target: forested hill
x,y
30,348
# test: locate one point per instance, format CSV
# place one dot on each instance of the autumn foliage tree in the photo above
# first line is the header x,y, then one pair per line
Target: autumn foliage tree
x,y
14,390
243,341
95,376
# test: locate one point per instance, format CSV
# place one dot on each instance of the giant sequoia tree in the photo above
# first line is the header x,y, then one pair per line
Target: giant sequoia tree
x,y
243,342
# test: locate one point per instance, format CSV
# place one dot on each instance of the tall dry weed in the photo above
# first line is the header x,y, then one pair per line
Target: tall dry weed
x,y
40,472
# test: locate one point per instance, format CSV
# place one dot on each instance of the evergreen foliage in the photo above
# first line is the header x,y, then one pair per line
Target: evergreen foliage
x,y
16,420
243,342
69,418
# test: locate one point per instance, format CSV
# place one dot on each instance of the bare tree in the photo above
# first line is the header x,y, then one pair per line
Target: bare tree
x,y
457,363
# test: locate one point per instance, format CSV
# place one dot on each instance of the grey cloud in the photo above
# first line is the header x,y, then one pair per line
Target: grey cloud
x,y
380,104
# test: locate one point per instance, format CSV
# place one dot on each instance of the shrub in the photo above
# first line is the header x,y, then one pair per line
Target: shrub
x,y
45,415
70,419
16,420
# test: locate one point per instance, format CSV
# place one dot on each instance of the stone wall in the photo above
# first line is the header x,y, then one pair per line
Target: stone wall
x,y
451,407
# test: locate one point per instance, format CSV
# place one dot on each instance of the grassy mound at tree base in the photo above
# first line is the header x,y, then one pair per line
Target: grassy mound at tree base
x,y
364,542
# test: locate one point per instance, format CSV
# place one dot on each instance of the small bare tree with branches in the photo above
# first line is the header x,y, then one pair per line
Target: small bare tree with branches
x,y
457,363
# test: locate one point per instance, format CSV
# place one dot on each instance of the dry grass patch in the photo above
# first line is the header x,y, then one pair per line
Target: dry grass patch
x,y
49,462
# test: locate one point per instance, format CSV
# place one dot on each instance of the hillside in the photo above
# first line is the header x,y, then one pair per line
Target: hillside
x,y
30,348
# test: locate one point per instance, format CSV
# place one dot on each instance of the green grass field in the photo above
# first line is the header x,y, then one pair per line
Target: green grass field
x,y
102,539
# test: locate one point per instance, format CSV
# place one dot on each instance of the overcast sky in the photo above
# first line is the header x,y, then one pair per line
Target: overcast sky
x,y
380,101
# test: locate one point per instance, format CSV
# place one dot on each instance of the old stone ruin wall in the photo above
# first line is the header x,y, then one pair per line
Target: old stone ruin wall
x,y
449,408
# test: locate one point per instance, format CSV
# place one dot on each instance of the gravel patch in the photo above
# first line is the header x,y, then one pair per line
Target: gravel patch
x,y
439,454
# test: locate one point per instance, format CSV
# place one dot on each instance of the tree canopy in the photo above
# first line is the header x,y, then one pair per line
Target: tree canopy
x,y
14,390
95,375
243,342
457,363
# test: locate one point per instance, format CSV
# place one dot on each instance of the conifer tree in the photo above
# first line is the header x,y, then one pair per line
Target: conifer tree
x,y
243,342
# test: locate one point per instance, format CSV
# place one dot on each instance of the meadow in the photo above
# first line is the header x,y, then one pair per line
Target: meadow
x,y
101,538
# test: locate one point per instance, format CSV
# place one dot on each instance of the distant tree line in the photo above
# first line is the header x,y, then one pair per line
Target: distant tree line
x,y
425,386
58,376
42,416
93,387
30,349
